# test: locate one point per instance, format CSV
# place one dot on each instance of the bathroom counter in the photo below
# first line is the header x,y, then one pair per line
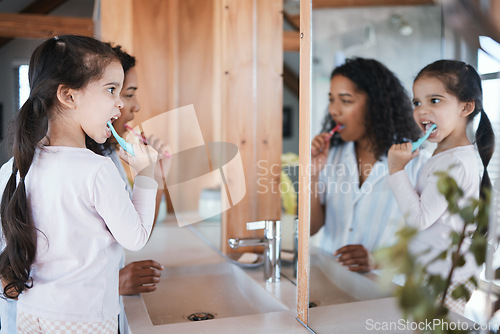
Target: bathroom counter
x,y
174,246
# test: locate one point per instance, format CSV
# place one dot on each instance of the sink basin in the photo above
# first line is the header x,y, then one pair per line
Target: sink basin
x,y
331,283
220,290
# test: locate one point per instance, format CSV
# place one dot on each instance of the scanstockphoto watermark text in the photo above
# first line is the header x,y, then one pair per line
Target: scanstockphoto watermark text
x,y
268,179
427,325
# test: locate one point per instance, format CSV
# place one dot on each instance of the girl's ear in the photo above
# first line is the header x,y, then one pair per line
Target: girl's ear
x,y
468,108
65,96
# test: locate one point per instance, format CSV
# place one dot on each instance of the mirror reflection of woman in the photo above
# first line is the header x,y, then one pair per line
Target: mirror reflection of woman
x,y
349,196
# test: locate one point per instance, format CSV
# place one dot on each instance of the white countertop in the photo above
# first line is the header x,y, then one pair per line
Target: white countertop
x,y
175,246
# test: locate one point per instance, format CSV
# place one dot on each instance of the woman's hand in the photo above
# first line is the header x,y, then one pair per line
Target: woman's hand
x,y
138,277
399,155
319,151
355,258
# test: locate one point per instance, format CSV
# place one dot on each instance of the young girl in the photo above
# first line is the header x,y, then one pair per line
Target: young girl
x,y
350,197
65,210
446,93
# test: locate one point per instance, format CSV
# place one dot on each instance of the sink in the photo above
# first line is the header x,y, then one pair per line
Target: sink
x,y
331,283
199,292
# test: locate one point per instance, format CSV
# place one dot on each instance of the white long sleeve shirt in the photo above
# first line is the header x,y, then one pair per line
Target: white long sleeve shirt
x,y
366,215
426,209
83,213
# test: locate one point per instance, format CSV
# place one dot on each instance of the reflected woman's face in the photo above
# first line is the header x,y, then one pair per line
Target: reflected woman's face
x,y
348,107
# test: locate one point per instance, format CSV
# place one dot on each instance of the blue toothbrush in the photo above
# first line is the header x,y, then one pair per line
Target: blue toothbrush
x,y
420,141
126,146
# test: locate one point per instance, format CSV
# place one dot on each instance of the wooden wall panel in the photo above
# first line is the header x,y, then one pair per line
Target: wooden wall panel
x,y
115,24
252,32
269,131
304,161
152,43
239,109
43,26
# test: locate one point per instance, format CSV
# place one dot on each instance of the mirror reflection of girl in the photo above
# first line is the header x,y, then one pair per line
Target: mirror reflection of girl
x,y
65,211
350,198
447,93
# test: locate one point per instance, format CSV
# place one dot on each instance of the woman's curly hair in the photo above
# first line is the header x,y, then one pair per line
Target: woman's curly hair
x,y
389,118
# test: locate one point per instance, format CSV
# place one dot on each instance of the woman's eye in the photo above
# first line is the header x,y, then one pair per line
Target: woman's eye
x,y
435,100
129,96
346,101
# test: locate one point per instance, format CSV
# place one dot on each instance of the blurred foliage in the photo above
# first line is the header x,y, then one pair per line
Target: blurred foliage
x,y
421,298
287,190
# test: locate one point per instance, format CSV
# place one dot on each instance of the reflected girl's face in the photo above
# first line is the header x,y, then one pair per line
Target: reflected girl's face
x,y
348,107
433,104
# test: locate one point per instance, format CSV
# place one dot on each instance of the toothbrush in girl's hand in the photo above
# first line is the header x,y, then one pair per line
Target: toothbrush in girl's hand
x,y
126,146
420,141
336,128
165,153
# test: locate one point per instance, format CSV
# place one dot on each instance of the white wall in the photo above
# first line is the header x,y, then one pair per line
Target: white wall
x,y
369,33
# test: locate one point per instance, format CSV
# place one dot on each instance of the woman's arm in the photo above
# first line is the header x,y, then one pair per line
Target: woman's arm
x,y
317,209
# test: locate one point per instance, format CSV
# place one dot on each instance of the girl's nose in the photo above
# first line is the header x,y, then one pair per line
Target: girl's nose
x,y
119,103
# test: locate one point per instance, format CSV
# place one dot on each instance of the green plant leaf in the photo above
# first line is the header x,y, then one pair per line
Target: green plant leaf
x,y
473,280
461,292
455,237
460,261
467,214
478,248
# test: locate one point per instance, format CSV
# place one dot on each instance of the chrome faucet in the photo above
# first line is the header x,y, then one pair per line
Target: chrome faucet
x,y
271,242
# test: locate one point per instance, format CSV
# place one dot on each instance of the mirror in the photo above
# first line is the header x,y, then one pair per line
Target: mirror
x,y
404,39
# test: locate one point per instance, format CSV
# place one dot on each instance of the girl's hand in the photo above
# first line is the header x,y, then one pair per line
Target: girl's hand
x,y
399,155
144,161
319,151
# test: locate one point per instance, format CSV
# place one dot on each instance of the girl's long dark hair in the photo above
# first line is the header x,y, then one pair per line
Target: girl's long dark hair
x,y
389,119
71,61
462,81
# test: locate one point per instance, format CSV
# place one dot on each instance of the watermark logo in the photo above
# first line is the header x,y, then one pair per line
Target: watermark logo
x,y
189,164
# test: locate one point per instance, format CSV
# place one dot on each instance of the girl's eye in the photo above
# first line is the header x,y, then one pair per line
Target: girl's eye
x,y
111,90
416,103
435,100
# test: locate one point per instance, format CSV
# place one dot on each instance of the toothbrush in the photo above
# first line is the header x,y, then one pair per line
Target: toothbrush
x,y
126,146
165,153
336,128
420,141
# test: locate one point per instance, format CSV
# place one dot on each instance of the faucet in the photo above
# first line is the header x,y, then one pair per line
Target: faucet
x,y
271,242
